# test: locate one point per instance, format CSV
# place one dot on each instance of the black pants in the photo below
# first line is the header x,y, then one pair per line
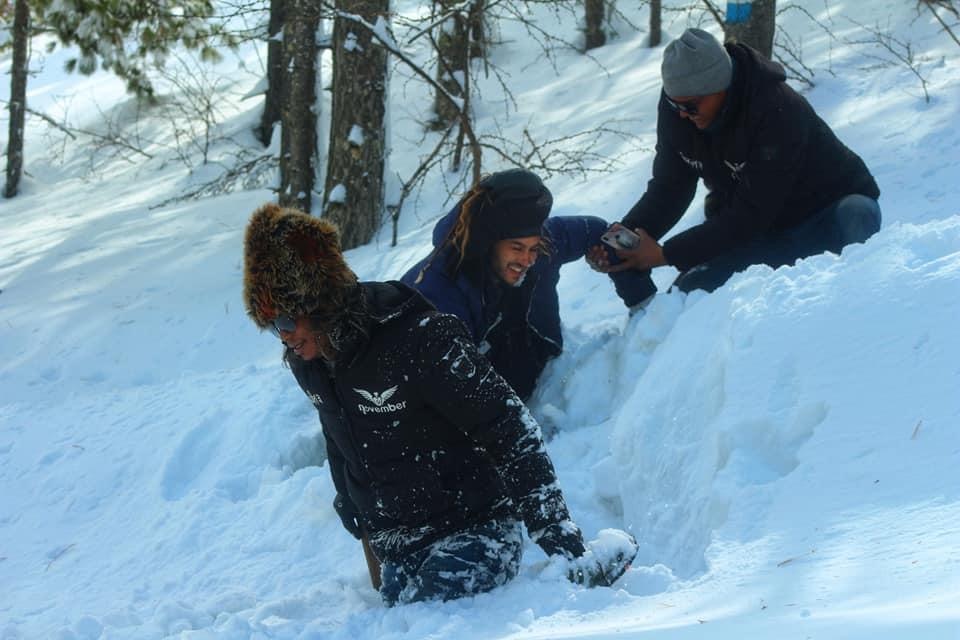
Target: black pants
x,y
474,560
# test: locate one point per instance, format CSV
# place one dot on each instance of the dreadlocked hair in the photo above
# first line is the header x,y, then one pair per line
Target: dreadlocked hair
x,y
459,236
471,204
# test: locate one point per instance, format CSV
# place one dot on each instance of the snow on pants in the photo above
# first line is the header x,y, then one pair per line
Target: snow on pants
x,y
473,560
849,220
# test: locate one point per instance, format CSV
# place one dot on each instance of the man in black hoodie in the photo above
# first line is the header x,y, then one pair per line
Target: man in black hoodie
x,y
781,185
434,458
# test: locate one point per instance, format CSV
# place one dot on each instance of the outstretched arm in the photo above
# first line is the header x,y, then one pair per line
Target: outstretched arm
x,y
579,236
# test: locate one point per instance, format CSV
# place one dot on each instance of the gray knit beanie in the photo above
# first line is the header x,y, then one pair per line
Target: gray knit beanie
x,y
695,64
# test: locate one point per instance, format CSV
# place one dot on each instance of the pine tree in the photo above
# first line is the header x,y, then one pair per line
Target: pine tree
x,y
122,36
126,36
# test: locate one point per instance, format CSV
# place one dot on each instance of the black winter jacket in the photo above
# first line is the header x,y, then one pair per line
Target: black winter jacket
x,y
423,437
768,160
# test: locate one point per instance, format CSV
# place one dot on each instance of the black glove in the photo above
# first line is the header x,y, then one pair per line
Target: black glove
x,y
560,539
348,515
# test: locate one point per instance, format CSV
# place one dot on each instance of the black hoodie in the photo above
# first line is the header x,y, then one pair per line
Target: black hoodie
x,y
423,437
769,162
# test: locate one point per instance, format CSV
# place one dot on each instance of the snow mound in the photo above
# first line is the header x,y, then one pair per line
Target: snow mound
x,y
786,395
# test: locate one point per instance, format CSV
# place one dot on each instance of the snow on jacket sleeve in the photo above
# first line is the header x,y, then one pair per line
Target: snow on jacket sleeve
x,y
460,384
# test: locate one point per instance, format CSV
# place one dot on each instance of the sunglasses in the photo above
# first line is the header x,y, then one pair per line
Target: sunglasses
x,y
689,107
283,323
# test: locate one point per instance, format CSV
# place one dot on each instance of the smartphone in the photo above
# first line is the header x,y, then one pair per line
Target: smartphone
x,y
621,238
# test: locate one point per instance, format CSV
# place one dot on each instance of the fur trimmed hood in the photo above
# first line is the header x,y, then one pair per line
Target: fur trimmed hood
x,y
293,266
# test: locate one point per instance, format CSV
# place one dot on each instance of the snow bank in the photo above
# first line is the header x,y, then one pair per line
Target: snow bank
x,y
799,403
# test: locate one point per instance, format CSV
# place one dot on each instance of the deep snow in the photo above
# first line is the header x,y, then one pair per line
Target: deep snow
x,y
785,449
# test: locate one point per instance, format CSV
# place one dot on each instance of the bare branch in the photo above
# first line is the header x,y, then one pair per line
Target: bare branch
x,y
715,12
788,54
108,139
568,154
249,174
946,5
390,46
432,159
902,51
53,123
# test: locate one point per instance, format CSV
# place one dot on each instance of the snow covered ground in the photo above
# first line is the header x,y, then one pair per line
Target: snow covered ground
x,y
785,450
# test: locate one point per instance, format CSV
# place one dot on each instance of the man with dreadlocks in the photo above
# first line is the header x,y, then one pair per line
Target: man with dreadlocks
x,y
434,458
496,265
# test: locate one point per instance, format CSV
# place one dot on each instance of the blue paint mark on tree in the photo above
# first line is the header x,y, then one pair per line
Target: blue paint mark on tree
x,y
738,11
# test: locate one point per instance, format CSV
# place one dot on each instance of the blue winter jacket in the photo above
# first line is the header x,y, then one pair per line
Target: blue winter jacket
x,y
517,328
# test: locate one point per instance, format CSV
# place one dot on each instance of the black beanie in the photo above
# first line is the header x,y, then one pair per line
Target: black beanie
x,y
515,205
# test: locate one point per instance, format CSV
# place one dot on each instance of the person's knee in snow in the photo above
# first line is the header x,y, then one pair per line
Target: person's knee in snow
x,y
473,561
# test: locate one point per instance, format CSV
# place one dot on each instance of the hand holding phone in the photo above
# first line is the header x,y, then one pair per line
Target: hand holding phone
x,y
620,238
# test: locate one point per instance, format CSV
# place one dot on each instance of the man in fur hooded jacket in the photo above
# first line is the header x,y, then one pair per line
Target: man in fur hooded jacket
x,y
434,458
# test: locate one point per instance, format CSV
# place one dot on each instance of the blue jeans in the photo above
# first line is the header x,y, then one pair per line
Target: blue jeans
x,y
851,219
471,561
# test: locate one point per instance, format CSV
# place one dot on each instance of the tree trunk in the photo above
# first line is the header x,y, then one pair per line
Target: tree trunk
x,y
453,49
752,23
298,141
354,189
274,97
594,35
656,33
478,30
18,97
